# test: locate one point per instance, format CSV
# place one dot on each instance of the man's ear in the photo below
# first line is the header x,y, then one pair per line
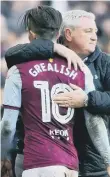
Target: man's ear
x,y
68,34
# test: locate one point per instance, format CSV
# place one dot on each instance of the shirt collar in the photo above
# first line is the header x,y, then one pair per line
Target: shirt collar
x,y
85,59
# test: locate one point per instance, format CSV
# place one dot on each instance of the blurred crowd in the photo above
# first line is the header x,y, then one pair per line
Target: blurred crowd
x,y
12,33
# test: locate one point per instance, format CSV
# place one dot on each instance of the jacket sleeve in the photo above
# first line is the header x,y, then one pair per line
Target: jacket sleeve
x,y
37,49
99,102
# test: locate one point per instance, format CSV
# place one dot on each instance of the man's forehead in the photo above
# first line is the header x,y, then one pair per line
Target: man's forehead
x,y
85,22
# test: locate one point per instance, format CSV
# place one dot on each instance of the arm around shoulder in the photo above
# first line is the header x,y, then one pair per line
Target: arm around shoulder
x,y
37,49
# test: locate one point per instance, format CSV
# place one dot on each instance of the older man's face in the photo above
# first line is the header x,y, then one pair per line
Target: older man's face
x,y
84,36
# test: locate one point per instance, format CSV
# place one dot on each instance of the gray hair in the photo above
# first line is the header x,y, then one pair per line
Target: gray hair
x,y
70,19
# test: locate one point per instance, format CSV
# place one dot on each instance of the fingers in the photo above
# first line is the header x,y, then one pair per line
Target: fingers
x,y
62,96
64,105
75,65
75,87
59,99
72,62
76,62
81,65
69,64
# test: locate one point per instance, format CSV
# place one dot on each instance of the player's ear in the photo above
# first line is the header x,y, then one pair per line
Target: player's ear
x,y
32,35
58,35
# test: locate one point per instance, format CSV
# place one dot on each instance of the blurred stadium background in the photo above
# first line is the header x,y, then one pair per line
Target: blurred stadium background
x,y
12,33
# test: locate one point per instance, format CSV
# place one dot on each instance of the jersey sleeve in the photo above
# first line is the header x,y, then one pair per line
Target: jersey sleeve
x,y
12,90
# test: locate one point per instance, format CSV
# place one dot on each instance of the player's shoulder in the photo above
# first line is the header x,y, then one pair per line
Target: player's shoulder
x,y
13,70
13,74
59,58
10,72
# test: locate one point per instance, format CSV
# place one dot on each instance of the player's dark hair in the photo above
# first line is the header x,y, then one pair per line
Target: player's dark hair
x,y
44,21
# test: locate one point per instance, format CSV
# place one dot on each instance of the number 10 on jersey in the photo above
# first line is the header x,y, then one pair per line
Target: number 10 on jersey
x,y
46,98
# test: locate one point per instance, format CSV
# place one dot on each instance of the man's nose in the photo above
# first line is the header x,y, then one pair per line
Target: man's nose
x,y
94,37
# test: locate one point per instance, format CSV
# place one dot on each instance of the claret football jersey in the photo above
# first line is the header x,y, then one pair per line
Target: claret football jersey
x,y
48,127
